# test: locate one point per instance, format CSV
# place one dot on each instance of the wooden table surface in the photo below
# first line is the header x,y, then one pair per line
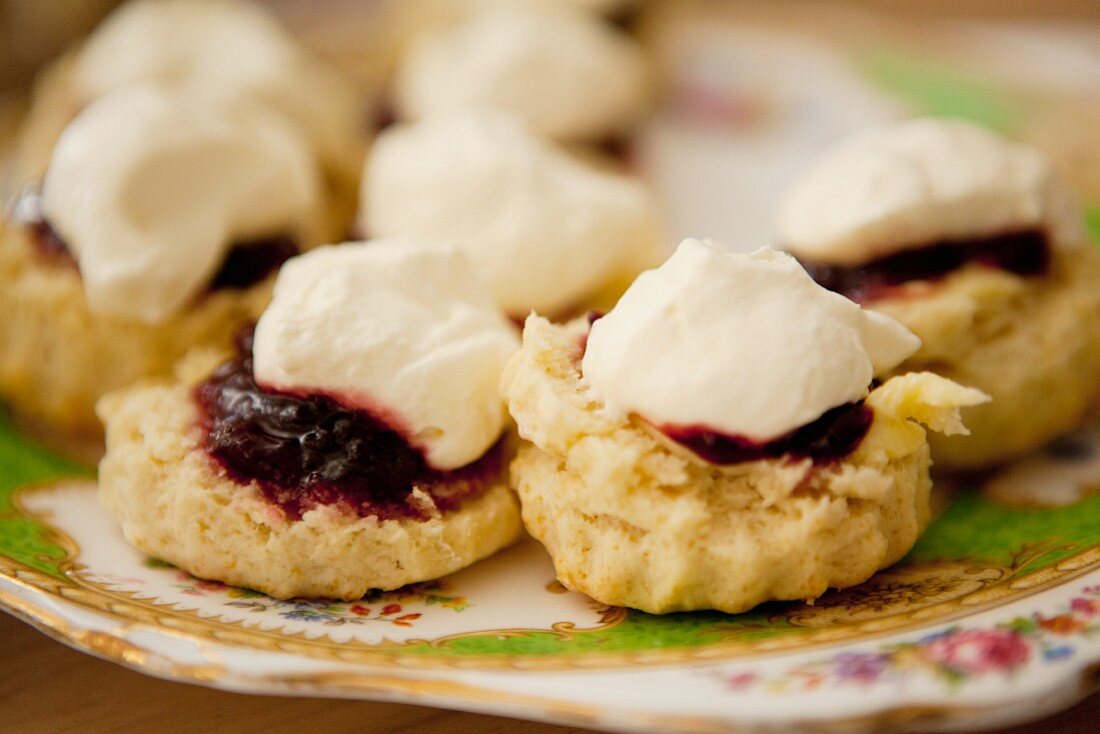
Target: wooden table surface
x,y
46,687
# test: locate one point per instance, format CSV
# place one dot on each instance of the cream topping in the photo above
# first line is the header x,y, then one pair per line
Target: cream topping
x,y
920,182
150,188
227,49
746,345
401,329
544,228
568,73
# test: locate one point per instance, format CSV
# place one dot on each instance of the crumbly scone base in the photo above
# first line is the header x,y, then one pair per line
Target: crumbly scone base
x,y
631,519
59,358
175,503
1032,344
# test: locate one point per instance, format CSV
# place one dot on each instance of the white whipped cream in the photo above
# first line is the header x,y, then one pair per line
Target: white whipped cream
x,y
544,228
402,330
919,182
569,74
227,49
149,188
746,345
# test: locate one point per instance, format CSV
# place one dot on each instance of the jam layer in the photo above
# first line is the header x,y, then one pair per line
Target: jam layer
x,y
308,450
246,263
1023,253
830,438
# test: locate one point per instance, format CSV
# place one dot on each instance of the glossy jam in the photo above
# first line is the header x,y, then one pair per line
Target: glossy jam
x,y
308,450
830,438
1024,253
246,263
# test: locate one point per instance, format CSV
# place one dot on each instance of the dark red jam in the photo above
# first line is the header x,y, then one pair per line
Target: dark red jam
x,y
308,450
828,439
49,244
246,263
1024,253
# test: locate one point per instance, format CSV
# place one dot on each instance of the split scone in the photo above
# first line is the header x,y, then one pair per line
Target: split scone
x,y
977,245
160,218
356,442
549,231
230,50
711,443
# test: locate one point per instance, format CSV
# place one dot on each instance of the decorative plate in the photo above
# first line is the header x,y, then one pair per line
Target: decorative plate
x,y
993,618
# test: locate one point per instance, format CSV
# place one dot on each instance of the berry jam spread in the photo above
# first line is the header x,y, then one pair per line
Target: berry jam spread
x,y
1023,253
308,450
49,243
246,263
830,438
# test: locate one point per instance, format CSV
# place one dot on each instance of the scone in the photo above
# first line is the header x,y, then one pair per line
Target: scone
x,y
548,231
357,442
712,442
569,74
232,50
977,245
158,223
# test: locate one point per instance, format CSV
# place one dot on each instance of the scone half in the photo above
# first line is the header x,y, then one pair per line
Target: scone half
x,y
632,519
1031,343
59,357
174,502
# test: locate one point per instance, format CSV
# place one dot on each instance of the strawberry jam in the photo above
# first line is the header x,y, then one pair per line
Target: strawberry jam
x,y
1025,253
828,439
308,450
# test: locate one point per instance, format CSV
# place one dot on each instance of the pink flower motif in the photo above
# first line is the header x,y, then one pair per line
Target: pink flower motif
x,y
740,681
979,651
1085,607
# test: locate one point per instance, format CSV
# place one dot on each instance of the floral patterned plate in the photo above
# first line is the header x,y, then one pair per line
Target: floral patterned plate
x,y
993,618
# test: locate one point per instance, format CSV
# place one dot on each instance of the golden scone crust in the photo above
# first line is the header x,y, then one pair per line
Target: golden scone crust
x,y
1032,344
175,503
632,519
58,357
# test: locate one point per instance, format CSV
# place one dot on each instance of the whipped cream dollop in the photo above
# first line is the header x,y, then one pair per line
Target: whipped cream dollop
x,y
404,331
745,345
569,74
228,49
920,182
150,188
545,228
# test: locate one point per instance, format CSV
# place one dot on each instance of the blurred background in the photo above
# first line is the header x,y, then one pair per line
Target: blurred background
x,y
749,91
